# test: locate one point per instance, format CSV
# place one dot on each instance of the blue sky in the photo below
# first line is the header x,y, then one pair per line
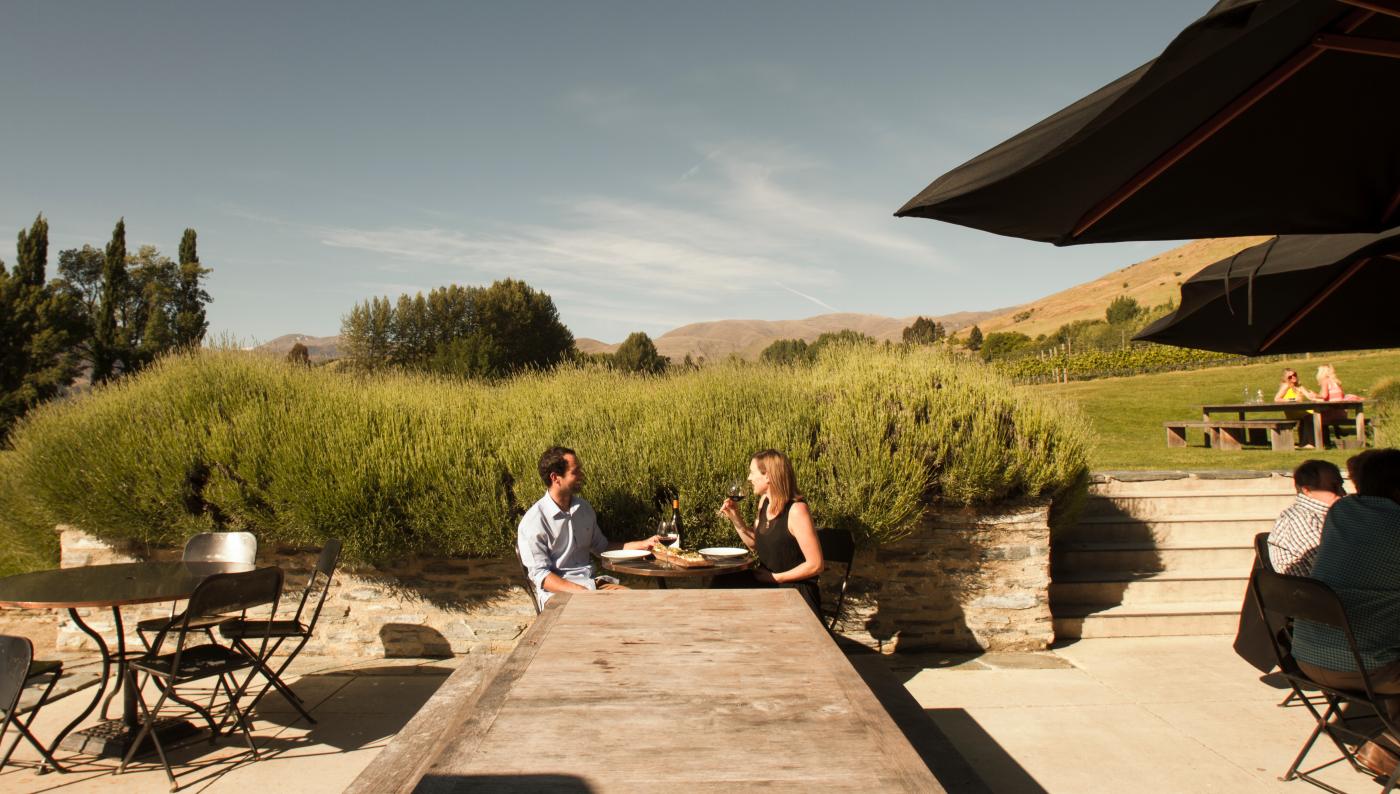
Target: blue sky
x,y
648,164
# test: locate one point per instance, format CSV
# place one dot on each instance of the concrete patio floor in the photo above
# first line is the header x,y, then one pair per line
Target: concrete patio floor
x,y
1171,714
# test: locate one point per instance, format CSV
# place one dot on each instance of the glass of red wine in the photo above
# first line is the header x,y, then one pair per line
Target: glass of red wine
x,y
735,491
666,531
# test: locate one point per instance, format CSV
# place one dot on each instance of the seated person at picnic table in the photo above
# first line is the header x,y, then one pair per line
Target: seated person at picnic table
x,y
559,532
1359,558
783,534
1290,391
1329,389
1298,531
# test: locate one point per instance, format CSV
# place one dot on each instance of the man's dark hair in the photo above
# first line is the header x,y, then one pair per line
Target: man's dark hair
x,y
1355,464
1381,474
553,462
1318,475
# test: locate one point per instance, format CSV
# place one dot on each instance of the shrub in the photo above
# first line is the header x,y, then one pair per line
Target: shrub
x,y
398,464
1384,407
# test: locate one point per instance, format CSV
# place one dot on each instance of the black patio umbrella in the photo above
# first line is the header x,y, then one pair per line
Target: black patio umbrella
x,y
1262,117
1293,294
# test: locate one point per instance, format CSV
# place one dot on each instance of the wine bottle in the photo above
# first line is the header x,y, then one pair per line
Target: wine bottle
x,y
676,524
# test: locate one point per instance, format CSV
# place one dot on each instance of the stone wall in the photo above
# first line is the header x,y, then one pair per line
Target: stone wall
x,y
962,580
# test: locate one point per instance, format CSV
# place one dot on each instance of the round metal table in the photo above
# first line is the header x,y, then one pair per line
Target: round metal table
x,y
661,571
114,586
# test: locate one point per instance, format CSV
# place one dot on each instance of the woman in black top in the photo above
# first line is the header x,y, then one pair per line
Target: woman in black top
x,y
788,550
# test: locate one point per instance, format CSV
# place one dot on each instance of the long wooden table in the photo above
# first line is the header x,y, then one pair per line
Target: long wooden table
x,y
1244,409
680,690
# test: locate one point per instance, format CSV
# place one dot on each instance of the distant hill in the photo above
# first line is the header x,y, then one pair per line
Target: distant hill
x,y
1150,282
320,348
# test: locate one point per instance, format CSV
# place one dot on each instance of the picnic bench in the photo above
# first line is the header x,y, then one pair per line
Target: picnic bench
x,y
1232,433
650,690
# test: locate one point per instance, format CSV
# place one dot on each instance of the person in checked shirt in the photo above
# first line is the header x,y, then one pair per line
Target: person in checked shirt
x,y
1293,542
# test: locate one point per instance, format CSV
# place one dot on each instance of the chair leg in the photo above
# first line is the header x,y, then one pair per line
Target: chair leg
x,y
239,716
148,729
22,727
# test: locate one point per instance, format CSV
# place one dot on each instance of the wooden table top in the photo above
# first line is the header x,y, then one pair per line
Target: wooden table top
x,y
657,568
1271,406
637,690
118,584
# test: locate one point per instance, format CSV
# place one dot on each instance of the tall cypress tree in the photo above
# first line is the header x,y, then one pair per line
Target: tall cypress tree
x,y
190,297
39,329
105,348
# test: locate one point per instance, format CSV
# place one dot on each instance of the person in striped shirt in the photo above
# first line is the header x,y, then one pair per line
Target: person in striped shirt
x,y
1298,530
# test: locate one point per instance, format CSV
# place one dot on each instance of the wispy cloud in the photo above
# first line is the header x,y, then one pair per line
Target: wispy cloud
x,y
804,295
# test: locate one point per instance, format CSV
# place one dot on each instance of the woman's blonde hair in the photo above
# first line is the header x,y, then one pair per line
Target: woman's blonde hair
x,y
1326,369
782,482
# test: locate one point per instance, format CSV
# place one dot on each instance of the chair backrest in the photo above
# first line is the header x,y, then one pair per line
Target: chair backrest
x,y
529,585
221,547
319,583
839,548
1282,598
224,593
1261,552
16,654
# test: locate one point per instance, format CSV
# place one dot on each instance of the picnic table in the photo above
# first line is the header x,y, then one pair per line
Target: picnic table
x,y
649,690
1230,433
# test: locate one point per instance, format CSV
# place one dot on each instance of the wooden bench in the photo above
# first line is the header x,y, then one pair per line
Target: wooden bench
x,y
1234,433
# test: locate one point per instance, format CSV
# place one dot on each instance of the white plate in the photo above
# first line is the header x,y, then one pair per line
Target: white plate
x,y
723,552
626,554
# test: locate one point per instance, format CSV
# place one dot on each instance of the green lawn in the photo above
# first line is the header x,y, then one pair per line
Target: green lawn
x,y
1127,413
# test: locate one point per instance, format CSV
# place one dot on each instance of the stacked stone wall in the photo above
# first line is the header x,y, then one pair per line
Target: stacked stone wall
x,y
962,580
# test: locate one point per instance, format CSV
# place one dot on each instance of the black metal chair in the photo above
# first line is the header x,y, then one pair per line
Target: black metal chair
x,y
25,687
529,585
217,595
239,547
300,627
1282,598
1262,561
838,547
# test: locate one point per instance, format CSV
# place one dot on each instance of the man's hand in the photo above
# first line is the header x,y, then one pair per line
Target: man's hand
x,y
643,544
611,586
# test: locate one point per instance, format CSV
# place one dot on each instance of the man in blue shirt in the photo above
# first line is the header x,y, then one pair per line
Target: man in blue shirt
x,y
558,533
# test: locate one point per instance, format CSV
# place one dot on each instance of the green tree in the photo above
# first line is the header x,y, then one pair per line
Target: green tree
x,y
367,333
787,351
637,353
1123,309
1001,344
524,326
974,339
147,322
923,331
106,350
188,322
39,329
299,355
845,336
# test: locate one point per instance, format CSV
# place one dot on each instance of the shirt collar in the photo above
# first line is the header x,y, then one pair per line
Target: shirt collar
x,y
552,509
1311,504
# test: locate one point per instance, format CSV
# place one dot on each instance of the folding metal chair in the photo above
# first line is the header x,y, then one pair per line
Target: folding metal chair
x,y
839,547
240,547
1263,561
217,595
24,690
529,585
318,585
1281,598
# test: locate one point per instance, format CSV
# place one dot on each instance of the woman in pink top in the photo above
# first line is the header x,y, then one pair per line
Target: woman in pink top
x,y
1329,389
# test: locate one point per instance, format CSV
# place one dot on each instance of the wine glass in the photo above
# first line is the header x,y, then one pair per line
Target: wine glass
x,y
735,491
666,529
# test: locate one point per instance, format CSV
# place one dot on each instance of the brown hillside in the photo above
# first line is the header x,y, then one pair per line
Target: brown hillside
x,y
320,348
1150,282
592,346
748,338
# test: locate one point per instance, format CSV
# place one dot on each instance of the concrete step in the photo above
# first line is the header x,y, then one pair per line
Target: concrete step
x,y
1161,620
1185,503
1176,531
1205,482
1117,558
1074,591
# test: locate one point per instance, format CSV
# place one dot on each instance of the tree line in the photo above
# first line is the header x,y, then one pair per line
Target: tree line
x,y
107,313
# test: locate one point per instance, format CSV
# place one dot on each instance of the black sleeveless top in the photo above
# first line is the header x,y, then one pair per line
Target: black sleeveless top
x,y
778,551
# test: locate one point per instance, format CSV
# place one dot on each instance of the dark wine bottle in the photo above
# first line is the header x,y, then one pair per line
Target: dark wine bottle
x,y
676,523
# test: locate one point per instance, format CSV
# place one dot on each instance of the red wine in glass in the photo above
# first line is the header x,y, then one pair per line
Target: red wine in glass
x,y
735,492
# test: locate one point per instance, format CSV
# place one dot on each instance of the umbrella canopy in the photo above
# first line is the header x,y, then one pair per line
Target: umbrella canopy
x,y
1293,294
1263,117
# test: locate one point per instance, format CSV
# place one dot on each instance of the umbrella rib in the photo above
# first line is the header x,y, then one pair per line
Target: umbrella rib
x,y
1388,9
1215,124
1315,302
1354,44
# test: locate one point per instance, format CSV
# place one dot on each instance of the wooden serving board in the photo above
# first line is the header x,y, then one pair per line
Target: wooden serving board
x,y
671,558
